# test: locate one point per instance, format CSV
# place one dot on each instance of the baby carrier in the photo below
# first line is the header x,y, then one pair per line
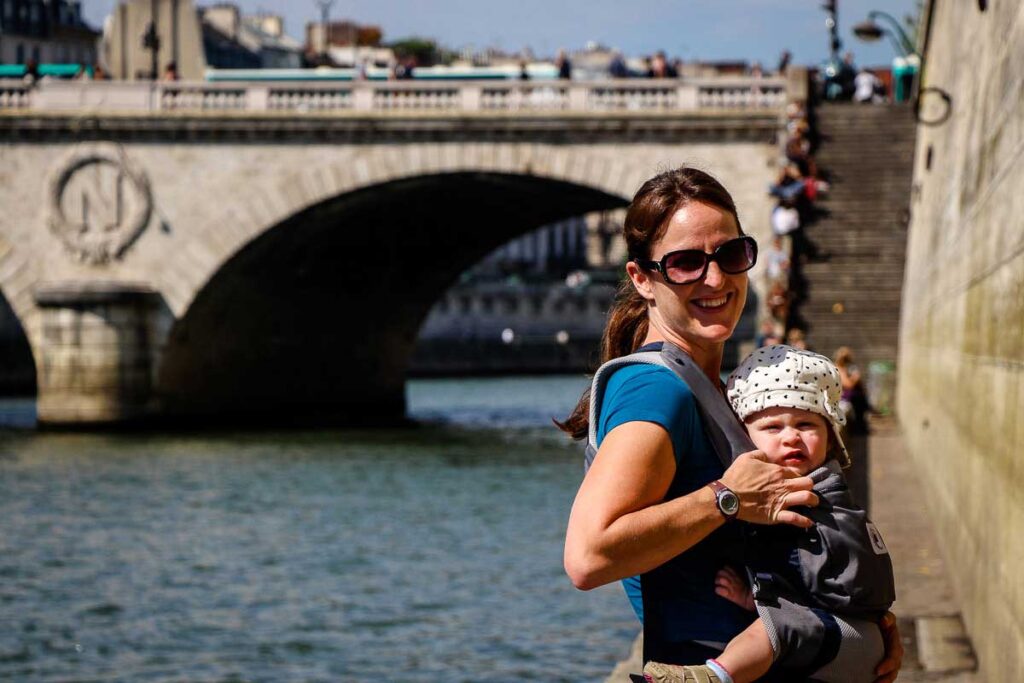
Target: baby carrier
x,y
796,606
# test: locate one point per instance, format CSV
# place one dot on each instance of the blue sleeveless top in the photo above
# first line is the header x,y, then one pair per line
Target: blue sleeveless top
x,y
681,591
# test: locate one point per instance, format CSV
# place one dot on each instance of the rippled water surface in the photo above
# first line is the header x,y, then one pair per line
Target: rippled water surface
x,y
427,554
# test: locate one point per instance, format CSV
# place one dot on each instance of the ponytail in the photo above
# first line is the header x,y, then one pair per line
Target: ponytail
x,y
624,334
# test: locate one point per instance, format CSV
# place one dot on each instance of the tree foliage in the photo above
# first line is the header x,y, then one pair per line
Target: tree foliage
x,y
424,50
369,36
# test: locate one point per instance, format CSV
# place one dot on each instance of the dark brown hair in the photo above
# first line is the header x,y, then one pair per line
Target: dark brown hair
x,y
647,219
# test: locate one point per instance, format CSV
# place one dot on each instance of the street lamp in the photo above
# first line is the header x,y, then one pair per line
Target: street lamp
x,y
325,24
151,40
832,24
869,30
906,67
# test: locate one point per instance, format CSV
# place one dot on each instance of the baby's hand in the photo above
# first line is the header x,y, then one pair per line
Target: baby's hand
x,y
731,586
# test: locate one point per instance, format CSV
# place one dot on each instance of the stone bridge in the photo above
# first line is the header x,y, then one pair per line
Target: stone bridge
x,y
267,253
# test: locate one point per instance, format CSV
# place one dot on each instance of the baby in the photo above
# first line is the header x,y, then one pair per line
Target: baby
x,y
819,592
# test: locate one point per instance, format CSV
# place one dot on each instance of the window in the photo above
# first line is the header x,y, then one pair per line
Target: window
x,y
19,54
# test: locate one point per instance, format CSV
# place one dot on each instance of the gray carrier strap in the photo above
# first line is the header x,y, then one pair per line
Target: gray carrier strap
x,y
727,436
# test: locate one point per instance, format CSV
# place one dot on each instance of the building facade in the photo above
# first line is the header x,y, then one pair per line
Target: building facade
x,y
143,37
45,31
234,41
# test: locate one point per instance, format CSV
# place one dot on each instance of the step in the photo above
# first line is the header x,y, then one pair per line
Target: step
x,y
868,155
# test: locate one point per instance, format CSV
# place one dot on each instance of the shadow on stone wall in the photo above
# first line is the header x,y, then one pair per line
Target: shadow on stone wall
x,y
17,367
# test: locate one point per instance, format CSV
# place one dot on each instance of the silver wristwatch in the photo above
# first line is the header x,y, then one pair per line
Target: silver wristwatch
x,y
728,502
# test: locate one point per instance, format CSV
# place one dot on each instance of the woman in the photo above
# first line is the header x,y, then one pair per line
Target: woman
x,y
647,512
855,397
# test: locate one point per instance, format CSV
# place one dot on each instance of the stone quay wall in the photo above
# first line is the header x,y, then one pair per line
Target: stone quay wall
x,y
961,381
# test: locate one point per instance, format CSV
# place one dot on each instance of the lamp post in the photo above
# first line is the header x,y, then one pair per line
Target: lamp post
x,y
832,24
869,30
151,40
906,66
325,23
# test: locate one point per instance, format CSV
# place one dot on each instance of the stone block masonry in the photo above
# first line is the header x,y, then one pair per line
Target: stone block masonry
x,y
96,353
961,396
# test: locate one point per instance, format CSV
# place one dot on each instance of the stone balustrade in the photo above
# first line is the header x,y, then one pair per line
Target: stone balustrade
x,y
14,95
298,98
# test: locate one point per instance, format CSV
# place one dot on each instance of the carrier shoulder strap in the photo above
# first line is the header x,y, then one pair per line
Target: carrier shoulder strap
x,y
600,382
727,436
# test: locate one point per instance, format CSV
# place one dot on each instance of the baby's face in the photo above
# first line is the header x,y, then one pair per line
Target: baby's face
x,y
790,437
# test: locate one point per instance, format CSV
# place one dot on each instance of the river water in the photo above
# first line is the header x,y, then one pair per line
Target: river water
x,y
426,554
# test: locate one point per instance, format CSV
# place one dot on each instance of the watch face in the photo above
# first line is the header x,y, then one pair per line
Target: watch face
x,y
729,503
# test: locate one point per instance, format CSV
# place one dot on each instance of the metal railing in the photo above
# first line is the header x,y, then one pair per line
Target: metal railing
x,y
396,96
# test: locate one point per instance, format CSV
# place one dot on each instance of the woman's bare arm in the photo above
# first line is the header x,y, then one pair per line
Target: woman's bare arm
x,y
620,526
849,379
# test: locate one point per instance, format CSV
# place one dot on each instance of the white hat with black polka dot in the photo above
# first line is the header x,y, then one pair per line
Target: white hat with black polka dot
x,y
781,376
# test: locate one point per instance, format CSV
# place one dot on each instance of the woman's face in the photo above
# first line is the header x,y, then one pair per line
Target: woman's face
x,y
703,314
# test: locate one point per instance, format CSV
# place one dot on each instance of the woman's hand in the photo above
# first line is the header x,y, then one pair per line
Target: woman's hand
x,y
767,491
889,667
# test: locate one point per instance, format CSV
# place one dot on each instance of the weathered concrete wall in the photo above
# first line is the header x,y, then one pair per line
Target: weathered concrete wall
x,y
962,332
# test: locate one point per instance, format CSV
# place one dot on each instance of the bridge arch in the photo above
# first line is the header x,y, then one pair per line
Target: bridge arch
x,y
248,214
312,309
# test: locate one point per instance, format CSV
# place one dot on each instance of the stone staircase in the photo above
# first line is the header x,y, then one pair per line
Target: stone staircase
x,y
851,289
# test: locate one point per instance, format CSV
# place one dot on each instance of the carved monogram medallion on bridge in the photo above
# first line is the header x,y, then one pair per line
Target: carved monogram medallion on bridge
x,y
99,203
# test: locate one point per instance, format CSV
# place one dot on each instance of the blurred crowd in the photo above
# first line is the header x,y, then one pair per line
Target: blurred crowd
x,y
599,62
796,188
845,82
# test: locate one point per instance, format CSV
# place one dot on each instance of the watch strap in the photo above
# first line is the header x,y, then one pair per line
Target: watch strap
x,y
718,487
721,489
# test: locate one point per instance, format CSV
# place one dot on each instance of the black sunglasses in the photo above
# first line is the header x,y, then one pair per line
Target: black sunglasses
x,y
690,265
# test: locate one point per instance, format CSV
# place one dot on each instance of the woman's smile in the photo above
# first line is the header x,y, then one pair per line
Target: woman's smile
x,y
709,303
716,309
